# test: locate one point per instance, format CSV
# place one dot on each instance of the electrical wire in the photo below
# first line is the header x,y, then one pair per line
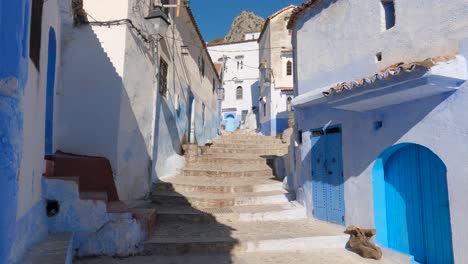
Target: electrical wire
x,y
119,22
146,38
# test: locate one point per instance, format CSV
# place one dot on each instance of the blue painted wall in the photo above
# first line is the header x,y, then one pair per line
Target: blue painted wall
x,y
14,37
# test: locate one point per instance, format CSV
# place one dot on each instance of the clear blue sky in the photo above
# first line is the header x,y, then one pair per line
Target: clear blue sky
x,y
214,17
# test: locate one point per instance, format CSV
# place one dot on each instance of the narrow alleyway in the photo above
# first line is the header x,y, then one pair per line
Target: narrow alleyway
x,y
227,207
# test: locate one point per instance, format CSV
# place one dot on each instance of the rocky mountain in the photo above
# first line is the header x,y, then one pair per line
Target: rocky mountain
x,y
246,22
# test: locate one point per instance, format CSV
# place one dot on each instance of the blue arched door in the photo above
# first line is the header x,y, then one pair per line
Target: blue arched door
x,y
230,123
49,115
417,205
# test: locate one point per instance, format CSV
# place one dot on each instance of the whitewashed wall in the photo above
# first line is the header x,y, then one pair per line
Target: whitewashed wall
x,y
110,103
337,41
245,76
275,50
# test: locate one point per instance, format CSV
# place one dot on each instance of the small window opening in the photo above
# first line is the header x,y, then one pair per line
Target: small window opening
x,y
52,208
288,103
163,69
201,65
35,32
289,68
203,115
244,115
239,93
214,85
378,56
388,12
165,9
264,109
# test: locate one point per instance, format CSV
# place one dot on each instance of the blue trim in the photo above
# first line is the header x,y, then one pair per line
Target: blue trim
x,y
49,116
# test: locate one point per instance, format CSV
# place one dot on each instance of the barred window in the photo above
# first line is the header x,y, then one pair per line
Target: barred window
x,y
163,68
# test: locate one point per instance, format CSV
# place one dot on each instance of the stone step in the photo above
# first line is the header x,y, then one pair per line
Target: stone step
x,y
94,195
239,172
276,212
55,249
256,151
251,145
246,137
211,200
231,159
242,237
210,185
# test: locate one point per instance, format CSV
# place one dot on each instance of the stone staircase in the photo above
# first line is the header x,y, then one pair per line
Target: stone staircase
x,y
87,205
227,201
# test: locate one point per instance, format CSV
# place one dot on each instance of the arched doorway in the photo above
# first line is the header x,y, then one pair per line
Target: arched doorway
x,y
411,203
49,115
230,123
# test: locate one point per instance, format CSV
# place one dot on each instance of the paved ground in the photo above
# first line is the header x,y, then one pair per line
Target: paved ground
x,y
327,256
198,215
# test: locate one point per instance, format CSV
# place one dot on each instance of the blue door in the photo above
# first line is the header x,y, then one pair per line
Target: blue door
x,y
49,116
327,175
230,123
417,205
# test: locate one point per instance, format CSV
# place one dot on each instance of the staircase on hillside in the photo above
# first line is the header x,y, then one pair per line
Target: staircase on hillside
x,y
228,202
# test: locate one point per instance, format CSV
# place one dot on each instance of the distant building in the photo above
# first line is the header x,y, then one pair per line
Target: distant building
x,y
381,94
238,62
276,73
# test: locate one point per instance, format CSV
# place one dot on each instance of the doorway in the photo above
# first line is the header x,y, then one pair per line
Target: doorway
x,y
327,175
416,203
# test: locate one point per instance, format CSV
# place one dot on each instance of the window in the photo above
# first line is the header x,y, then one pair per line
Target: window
x,y
203,115
289,68
163,69
201,65
222,94
240,61
166,9
288,103
214,85
244,115
264,109
239,93
378,56
35,32
388,13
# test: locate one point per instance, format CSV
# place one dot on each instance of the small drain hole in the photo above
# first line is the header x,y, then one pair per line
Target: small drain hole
x,y
52,207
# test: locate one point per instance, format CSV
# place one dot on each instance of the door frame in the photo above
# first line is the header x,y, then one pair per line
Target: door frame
x,y
379,194
322,133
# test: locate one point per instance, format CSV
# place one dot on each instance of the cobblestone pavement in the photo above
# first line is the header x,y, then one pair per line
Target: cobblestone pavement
x,y
326,256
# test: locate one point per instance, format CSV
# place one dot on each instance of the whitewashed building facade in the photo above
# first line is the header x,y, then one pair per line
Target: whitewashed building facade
x,y
95,82
380,95
238,63
135,95
276,73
